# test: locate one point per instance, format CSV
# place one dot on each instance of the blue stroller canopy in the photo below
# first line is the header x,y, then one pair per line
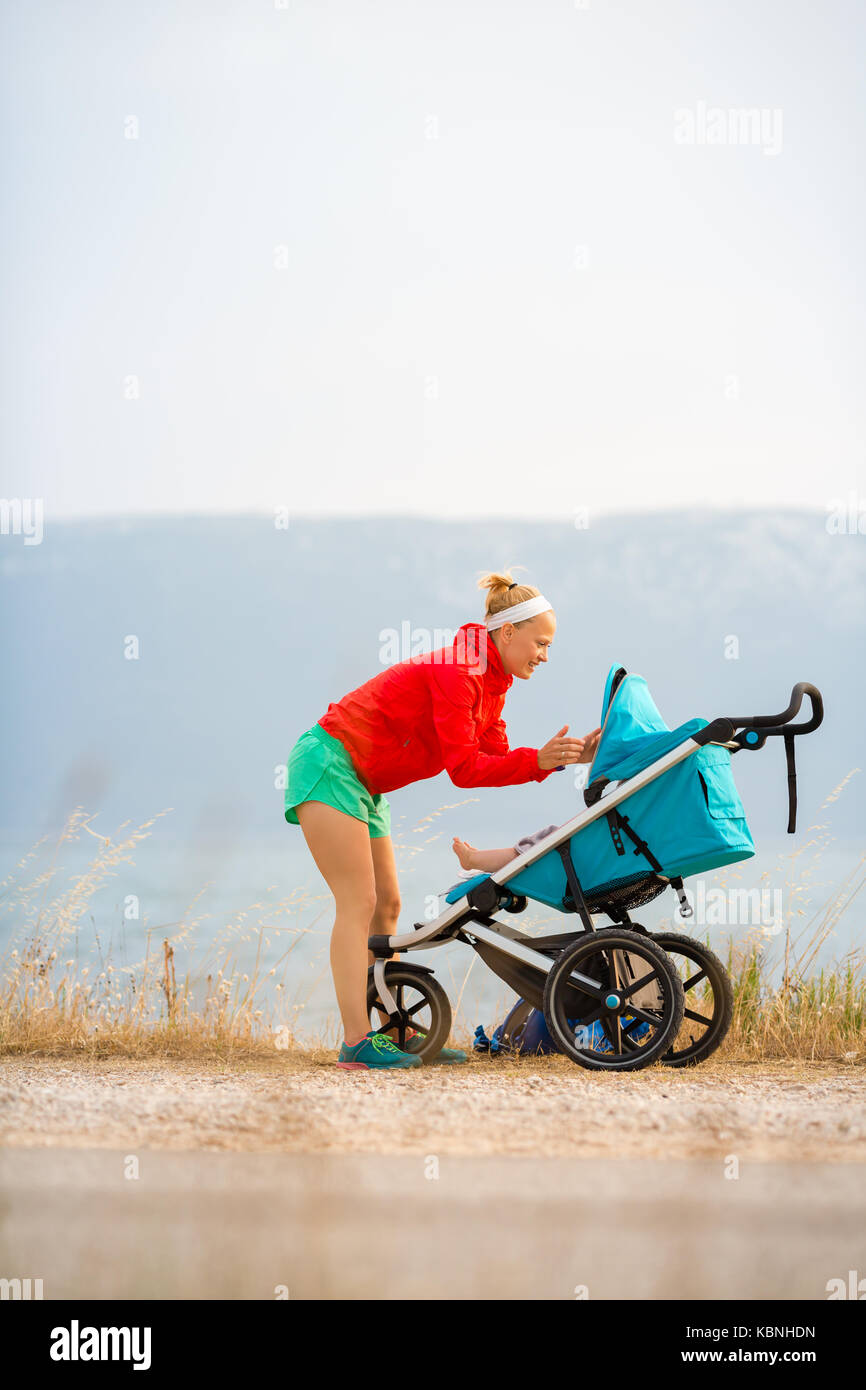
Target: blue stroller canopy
x,y
633,732
690,816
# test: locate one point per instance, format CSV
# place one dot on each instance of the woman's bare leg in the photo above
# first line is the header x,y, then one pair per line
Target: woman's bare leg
x,y
387,910
341,847
484,860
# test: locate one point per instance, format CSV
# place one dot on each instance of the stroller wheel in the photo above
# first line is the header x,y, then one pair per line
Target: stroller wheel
x,y
709,999
517,903
613,1001
422,1007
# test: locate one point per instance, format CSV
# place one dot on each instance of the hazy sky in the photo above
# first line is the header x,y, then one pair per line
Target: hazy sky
x,y
448,258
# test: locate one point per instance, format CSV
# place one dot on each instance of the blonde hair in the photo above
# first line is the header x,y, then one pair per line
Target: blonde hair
x,y
503,591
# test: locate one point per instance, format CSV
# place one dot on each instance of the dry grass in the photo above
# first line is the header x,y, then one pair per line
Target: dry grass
x,y
784,1004
52,1004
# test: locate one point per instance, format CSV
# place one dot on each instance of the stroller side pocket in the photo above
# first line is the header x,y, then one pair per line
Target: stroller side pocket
x,y
717,782
712,828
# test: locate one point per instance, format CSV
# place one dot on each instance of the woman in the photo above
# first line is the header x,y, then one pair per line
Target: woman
x,y
436,712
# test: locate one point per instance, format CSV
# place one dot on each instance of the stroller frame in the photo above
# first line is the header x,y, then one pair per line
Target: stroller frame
x,y
520,959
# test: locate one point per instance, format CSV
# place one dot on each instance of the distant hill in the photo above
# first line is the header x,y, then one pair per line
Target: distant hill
x,y
246,632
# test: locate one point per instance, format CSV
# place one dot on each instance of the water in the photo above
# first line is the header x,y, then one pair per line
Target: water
x,y
223,902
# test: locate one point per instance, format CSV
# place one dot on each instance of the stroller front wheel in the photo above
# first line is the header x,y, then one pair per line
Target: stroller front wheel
x,y
613,1001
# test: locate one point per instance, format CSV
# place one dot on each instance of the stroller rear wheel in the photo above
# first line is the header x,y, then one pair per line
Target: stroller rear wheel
x,y
422,1007
613,1001
709,999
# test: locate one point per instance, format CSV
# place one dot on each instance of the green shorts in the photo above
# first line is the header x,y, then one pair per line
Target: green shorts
x,y
320,769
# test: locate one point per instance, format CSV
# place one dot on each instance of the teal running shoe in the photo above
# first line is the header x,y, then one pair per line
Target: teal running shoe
x,y
449,1056
375,1052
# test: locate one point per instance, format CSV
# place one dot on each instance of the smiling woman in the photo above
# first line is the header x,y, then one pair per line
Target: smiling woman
x,y
441,711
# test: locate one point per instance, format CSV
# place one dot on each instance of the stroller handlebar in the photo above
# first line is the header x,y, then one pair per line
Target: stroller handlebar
x,y
757,728
755,731
774,723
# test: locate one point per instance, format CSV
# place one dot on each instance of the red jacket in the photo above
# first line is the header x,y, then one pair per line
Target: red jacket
x,y
437,712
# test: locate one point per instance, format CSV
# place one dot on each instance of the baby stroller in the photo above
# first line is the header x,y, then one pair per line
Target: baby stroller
x,y
660,805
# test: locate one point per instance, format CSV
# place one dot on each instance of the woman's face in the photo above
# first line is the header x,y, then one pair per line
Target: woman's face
x,y
523,647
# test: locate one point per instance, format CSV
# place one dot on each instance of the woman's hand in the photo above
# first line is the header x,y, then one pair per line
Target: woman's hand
x,y
590,744
559,750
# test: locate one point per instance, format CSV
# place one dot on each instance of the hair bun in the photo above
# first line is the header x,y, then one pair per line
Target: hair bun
x,y
500,588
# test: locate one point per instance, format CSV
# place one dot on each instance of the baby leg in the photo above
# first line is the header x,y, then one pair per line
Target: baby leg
x,y
484,860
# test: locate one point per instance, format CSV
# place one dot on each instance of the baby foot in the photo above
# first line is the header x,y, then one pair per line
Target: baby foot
x,y
466,853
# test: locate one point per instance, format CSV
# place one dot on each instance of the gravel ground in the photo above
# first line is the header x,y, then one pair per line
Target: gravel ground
x,y
299,1104
490,1180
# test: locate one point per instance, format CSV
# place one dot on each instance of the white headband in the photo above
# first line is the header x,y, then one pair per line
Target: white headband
x,y
529,608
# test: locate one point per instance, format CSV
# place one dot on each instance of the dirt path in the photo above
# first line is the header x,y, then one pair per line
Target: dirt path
x,y
322,1226
300,1105
505,1179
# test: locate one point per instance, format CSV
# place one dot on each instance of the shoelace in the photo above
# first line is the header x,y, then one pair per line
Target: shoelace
x,y
383,1043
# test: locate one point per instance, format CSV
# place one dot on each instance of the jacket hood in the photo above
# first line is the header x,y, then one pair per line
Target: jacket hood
x,y
474,647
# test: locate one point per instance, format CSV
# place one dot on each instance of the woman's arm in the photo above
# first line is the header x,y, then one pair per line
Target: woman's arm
x,y
557,752
473,760
494,739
